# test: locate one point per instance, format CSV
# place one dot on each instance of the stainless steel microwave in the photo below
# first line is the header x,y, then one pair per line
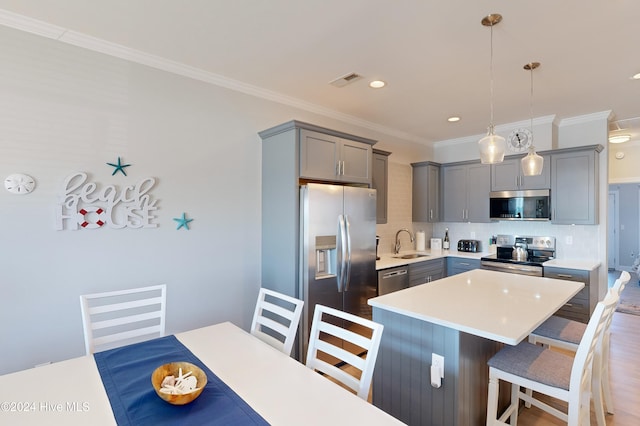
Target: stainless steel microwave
x,y
520,205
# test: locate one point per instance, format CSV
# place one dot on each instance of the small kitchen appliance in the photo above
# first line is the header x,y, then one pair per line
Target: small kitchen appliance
x,y
520,254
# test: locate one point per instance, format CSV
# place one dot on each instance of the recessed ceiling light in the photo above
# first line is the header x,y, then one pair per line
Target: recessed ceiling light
x,y
377,84
453,119
619,138
636,76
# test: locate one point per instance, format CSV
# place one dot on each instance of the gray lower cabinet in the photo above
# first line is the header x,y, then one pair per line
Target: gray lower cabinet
x,y
574,187
425,272
581,306
465,192
333,158
380,179
425,192
458,265
508,176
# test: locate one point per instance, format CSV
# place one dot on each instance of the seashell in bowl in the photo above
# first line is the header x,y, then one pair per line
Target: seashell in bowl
x,y
173,369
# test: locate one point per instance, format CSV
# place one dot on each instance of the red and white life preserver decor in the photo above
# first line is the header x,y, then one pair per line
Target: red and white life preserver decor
x,y
83,219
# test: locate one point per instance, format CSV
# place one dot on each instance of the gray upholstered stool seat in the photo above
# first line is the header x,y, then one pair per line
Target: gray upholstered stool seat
x,y
535,363
564,329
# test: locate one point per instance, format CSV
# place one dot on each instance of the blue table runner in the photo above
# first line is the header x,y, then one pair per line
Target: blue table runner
x,y
126,376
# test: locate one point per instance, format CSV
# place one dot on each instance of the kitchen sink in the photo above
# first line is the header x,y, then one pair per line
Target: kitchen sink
x,y
411,256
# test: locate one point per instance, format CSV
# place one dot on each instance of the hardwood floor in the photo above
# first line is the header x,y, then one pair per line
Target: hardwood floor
x,y
624,369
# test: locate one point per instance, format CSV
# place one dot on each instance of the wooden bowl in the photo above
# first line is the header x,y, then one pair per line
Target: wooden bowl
x,y
172,369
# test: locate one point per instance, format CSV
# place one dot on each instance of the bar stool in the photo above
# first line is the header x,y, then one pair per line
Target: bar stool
x,y
549,372
566,334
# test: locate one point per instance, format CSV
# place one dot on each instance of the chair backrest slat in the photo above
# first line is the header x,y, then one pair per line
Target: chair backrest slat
x,y
326,338
276,319
113,317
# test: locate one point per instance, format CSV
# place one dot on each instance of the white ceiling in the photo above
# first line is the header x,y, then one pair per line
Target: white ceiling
x,y
434,55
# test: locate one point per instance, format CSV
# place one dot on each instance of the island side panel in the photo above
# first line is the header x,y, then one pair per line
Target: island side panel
x,y
402,384
473,385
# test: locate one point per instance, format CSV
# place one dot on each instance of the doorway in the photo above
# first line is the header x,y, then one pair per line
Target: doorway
x,y
612,234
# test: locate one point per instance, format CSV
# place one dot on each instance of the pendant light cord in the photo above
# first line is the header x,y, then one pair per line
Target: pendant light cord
x,y
531,103
491,82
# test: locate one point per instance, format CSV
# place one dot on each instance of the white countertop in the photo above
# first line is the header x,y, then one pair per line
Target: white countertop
x,y
392,260
495,305
581,264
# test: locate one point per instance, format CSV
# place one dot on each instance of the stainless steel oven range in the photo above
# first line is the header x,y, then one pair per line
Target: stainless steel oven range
x,y
520,254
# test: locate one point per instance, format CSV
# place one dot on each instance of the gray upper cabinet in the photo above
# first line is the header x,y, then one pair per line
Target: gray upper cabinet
x,y
508,176
426,192
574,190
465,192
333,158
380,181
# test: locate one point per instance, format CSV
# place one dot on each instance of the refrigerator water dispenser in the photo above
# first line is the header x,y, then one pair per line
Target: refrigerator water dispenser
x,y
325,256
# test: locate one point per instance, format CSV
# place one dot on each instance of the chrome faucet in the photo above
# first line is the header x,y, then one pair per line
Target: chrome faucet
x,y
397,249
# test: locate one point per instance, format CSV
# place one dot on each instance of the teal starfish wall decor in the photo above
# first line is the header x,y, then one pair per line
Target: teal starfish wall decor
x,y
119,167
182,221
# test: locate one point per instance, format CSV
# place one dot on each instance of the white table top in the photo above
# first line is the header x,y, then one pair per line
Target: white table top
x,y
494,305
279,388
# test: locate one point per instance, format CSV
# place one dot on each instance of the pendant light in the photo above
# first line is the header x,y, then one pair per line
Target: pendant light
x,y
492,146
532,163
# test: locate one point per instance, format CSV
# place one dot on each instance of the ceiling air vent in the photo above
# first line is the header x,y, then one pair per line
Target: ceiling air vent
x,y
345,79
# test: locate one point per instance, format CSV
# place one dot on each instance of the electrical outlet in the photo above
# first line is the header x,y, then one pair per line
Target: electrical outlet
x,y
568,240
473,235
438,361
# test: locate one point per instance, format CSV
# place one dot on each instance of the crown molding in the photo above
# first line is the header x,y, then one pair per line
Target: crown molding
x,y
587,118
499,129
64,35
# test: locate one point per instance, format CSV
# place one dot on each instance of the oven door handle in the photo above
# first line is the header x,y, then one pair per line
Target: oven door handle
x,y
517,269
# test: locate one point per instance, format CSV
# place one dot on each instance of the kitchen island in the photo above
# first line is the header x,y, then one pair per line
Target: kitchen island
x,y
466,318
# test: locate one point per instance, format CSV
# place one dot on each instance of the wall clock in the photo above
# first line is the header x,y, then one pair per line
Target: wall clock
x,y
519,140
19,183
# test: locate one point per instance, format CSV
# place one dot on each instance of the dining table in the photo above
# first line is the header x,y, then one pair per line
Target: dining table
x,y
256,382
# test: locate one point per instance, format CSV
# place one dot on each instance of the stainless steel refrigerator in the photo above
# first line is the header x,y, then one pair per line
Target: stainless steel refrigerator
x,y
338,250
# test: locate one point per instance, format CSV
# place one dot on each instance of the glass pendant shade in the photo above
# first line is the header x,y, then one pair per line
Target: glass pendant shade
x,y
492,148
532,163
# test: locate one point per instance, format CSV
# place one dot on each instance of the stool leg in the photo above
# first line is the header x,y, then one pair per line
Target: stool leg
x,y
515,402
492,399
606,387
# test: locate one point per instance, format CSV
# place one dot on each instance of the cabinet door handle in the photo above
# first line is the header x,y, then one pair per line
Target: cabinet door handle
x,y
570,305
565,275
338,168
430,213
342,167
517,181
464,264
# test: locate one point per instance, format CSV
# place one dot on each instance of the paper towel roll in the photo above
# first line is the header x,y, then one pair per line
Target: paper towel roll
x,y
420,241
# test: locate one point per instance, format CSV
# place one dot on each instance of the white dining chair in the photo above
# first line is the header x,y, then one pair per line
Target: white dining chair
x,y
549,372
276,319
115,318
563,333
326,338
